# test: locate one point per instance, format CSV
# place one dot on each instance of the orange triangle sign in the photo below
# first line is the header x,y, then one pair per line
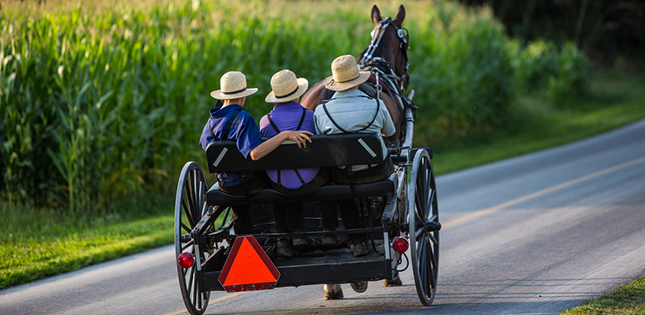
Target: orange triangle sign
x,y
248,267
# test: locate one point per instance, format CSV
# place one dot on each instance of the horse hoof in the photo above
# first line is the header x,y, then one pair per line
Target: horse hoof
x,y
395,282
333,292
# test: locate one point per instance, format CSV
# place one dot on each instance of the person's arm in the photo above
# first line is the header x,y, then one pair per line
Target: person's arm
x,y
300,137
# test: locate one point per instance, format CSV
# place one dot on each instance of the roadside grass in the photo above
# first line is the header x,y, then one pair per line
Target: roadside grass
x,y
613,100
37,243
626,300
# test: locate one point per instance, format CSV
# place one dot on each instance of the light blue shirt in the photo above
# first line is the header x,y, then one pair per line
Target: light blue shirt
x,y
352,111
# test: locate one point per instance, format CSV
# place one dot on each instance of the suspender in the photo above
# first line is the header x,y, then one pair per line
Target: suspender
x,y
228,128
302,119
378,107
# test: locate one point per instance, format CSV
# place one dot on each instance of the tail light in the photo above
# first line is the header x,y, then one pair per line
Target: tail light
x,y
400,244
186,260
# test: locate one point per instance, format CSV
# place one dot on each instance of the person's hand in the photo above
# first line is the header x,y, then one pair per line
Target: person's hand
x,y
301,137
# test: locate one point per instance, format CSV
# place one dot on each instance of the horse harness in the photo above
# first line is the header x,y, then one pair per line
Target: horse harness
x,y
380,67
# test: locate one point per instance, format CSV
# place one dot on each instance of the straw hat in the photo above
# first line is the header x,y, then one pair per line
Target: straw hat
x,y
286,87
233,85
345,74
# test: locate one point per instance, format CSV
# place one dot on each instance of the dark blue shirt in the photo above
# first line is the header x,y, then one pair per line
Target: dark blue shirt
x,y
243,130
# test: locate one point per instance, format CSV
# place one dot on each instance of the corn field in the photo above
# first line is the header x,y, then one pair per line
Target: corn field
x,y
107,102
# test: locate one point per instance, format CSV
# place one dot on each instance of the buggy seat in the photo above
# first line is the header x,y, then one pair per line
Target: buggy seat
x,y
325,151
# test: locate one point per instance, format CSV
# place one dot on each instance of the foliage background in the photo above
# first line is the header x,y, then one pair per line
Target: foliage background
x,y
101,102
607,30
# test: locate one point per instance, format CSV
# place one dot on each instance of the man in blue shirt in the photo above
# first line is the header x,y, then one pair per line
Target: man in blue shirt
x,y
230,121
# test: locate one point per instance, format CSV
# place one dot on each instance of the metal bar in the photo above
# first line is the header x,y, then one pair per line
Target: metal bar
x,y
319,274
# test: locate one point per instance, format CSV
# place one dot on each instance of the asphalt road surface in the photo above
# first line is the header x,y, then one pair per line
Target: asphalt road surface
x,y
536,234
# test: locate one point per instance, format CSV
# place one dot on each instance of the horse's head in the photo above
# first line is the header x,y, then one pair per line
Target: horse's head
x,y
389,43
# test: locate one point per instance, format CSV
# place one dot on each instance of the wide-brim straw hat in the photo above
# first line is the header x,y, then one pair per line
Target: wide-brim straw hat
x,y
232,86
345,74
286,87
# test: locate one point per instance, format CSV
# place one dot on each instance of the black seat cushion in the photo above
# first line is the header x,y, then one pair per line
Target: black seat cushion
x,y
330,192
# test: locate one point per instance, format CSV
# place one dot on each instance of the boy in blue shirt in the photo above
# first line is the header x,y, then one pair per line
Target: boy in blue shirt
x,y
230,121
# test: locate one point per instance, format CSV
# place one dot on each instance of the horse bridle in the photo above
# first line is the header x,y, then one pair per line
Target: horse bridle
x,y
369,58
380,67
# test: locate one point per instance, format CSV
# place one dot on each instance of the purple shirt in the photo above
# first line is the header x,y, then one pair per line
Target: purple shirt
x,y
287,116
243,130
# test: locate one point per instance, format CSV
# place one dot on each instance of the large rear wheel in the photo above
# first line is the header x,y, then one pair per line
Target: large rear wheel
x,y
190,206
423,219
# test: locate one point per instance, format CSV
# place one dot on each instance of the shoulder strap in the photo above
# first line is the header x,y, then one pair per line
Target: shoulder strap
x,y
333,121
302,118
378,107
272,123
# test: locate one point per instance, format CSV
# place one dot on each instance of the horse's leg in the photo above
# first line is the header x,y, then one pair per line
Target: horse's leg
x,y
333,291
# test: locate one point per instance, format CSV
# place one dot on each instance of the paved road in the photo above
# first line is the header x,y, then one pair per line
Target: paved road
x,y
535,234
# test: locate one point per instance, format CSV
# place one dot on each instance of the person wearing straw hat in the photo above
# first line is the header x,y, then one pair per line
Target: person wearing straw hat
x,y
230,121
288,114
349,111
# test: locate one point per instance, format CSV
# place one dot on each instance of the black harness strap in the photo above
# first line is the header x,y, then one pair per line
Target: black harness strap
x,y
302,119
378,107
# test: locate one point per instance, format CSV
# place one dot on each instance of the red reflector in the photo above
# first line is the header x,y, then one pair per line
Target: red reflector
x,y
248,268
400,244
186,260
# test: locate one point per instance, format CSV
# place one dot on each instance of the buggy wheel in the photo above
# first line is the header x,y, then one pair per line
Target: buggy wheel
x,y
190,206
423,219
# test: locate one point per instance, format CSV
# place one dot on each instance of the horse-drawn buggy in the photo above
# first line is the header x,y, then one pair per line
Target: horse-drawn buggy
x,y
398,214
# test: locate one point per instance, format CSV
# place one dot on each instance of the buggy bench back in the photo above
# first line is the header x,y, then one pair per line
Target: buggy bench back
x,y
323,151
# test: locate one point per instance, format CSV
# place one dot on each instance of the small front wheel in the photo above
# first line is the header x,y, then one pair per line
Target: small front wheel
x,y
190,206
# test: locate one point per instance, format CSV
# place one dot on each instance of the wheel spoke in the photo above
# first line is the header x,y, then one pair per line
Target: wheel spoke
x,y
185,228
186,210
429,202
431,266
188,244
432,239
190,198
201,199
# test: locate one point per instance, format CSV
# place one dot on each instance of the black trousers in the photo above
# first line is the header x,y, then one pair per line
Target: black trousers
x,y
242,214
348,207
289,217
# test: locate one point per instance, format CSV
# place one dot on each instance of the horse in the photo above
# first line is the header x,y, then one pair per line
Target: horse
x,y
386,57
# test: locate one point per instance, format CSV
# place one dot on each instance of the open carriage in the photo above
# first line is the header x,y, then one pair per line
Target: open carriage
x,y
408,211
399,215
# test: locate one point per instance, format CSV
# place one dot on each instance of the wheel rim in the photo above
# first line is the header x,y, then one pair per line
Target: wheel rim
x,y
190,206
424,247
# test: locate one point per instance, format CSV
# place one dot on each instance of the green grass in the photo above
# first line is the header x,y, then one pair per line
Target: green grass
x,y
613,100
626,300
37,243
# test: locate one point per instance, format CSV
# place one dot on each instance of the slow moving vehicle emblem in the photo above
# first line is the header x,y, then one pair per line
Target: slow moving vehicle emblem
x,y
248,268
